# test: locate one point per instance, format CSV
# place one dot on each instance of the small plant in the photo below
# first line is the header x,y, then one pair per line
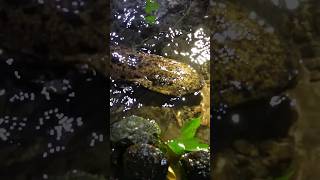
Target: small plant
x,y
151,8
286,176
187,141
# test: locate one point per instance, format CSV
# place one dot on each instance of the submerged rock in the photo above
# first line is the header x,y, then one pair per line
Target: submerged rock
x,y
145,162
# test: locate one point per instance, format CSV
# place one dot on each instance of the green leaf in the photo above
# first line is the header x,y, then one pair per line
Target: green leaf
x,y
194,144
187,141
176,147
180,146
151,19
189,129
151,6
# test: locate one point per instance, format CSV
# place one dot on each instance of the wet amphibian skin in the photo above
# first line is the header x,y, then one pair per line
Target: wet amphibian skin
x,y
250,60
154,72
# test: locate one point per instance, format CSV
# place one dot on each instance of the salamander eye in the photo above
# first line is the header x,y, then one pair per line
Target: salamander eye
x,y
133,61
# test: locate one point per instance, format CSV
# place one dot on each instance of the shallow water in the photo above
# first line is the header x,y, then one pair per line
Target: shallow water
x,y
172,36
169,39
259,66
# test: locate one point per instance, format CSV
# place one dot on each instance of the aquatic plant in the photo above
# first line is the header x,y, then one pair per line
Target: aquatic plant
x,y
187,141
151,8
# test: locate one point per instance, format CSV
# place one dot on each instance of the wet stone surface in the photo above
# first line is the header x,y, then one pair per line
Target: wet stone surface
x,y
196,165
143,162
133,130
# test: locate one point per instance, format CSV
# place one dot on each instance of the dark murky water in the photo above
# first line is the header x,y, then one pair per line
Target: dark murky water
x,y
52,112
248,68
174,36
130,29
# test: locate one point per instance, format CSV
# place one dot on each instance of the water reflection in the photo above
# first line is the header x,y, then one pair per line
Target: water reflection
x,y
164,81
66,6
191,44
129,24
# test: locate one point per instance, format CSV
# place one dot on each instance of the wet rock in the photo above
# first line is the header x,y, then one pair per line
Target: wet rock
x,y
144,162
196,165
165,117
128,131
134,129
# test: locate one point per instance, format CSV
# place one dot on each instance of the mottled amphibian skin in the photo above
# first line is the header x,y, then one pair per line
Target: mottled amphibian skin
x,y
154,72
249,58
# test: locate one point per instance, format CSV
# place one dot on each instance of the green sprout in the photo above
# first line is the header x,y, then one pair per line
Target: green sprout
x,y
187,141
151,8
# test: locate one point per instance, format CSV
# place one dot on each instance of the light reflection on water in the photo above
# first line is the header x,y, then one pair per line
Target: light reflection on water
x,y
197,50
66,6
125,97
130,29
131,15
